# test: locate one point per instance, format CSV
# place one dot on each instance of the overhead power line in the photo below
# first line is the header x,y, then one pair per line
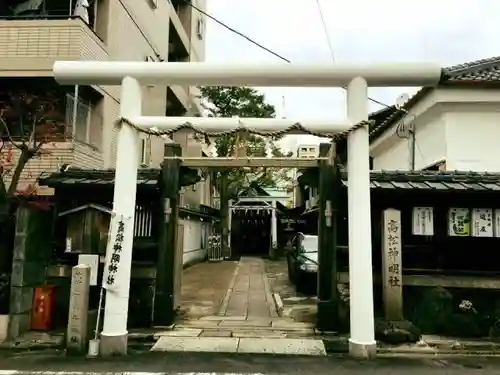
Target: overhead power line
x,y
261,46
325,29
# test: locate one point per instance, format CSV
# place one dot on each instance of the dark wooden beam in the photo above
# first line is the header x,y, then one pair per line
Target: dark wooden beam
x,y
164,303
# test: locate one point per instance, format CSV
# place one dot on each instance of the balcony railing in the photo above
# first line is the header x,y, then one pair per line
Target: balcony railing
x,y
48,36
51,17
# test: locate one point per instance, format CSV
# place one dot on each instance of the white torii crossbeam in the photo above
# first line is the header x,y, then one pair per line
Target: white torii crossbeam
x,y
355,77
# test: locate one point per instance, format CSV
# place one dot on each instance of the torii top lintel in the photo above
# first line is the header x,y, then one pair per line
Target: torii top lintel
x,y
380,74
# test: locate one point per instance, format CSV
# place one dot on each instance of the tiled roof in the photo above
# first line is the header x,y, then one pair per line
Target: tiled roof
x,y
103,177
463,181
485,71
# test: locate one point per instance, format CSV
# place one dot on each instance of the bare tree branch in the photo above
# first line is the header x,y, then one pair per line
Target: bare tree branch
x,y
7,132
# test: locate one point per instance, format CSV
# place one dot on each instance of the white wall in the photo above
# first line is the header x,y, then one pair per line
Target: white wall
x,y
473,138
459,126
195,248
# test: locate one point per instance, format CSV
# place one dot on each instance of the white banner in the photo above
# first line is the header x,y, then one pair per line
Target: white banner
x,y
117,228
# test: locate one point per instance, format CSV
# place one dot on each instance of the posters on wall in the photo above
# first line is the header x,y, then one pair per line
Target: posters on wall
x,y
423,221
482,222
458,222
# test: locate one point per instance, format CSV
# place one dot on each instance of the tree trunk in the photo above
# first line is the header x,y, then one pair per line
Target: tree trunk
x,y
224,214
7,217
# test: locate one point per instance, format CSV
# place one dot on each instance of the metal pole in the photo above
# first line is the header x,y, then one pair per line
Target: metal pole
x,y
229,224
75,111
114,334
362,340
274,229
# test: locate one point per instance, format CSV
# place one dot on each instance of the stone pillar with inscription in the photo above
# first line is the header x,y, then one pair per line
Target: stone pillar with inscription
x,y
76,337
392,275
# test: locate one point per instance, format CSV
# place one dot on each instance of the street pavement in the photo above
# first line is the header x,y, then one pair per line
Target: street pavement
x,y
150,363
238,295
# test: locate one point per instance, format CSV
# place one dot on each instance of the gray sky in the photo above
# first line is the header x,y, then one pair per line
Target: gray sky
x,y
446,31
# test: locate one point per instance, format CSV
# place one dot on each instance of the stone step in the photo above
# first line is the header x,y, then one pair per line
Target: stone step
x,y
241,345
242,322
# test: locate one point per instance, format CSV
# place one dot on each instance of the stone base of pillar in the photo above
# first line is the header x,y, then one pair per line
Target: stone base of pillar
x,y
113,345
362,350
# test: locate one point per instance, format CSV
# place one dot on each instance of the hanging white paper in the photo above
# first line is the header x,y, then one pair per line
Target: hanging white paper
x,y
423,221
68,245
459,222
91,260
496,217
482,222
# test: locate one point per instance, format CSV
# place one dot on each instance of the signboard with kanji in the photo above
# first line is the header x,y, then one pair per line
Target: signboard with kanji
x,y
392,271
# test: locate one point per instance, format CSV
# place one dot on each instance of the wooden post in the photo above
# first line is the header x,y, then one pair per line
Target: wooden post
x,y
76,336
392,275
327,238
164,302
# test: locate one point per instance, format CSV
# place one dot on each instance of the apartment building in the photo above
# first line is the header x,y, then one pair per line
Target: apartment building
x,y
307,151
35,33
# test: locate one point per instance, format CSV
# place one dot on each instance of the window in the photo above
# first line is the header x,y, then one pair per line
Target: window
x,y
309,244
84,120
200,28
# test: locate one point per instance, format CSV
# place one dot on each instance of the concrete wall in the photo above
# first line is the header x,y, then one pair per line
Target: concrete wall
x,y
458,126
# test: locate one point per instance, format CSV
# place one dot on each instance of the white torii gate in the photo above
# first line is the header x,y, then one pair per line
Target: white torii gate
x,y
355,77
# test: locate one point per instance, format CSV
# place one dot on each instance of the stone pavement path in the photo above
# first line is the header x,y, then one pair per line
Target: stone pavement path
x,y
246,320
249,294
204,286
